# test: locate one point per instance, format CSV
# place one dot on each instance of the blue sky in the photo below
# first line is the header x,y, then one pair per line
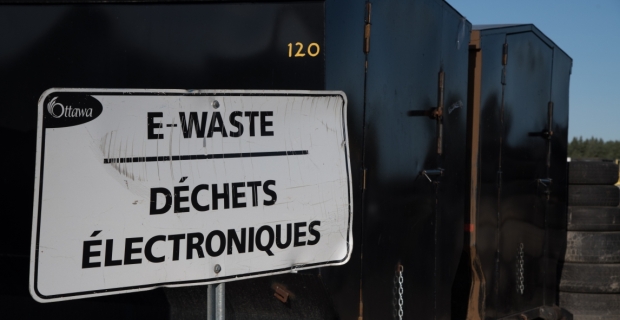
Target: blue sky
x,y
589,31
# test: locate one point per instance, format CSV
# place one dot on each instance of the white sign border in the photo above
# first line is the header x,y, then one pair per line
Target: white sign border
x,y
34,252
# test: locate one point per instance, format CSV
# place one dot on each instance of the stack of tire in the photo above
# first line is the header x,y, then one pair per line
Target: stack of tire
x,y
590,278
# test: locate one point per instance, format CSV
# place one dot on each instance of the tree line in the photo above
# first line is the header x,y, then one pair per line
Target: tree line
x,y
593,148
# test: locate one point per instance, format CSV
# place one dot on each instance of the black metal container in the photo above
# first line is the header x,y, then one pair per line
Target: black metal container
x,y
403,66
518,91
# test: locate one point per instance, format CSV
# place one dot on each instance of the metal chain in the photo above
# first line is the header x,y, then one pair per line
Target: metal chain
x,y
400,292
520,263
394,298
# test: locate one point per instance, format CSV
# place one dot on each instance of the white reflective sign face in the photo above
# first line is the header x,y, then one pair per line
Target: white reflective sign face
x,y
137,189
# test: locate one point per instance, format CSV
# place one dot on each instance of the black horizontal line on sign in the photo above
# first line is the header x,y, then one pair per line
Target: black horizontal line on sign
x,y
206,156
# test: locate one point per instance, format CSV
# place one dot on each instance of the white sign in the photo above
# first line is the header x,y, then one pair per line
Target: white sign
x,y
137,189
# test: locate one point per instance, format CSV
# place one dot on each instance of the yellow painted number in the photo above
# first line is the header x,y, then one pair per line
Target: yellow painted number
x,y
301,47
312,50
316,51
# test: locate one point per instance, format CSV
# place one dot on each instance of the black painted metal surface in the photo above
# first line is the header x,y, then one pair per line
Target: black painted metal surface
x,y
521,211
140,45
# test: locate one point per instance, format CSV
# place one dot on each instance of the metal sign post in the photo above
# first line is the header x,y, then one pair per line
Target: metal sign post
x,y
216,298
220,296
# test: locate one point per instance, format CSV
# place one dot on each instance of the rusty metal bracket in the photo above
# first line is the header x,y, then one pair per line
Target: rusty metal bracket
x,y
281,293
432,113
435,113
367,25
439,112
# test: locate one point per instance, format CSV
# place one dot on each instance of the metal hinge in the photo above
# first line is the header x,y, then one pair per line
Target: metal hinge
x,y
439,113
364,180
361,304
504,62
499,179
367,28
549,131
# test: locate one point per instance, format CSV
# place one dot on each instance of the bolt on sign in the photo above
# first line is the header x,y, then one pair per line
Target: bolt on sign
x,y
137,189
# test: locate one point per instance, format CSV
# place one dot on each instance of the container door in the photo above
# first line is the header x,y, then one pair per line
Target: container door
x,y
556,218
415,121
401,142
523,173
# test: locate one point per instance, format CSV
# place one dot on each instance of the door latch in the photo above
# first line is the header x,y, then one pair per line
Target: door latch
x,y
547,133
546,184
435,113
432,173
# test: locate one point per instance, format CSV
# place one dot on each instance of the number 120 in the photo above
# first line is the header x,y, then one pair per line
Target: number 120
x,y
313,50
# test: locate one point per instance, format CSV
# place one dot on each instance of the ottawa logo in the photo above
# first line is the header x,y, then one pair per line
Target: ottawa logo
x,y
58,110
67,109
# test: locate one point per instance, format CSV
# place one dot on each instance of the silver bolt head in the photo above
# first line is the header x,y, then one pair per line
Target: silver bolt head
x,y
215,104
217,268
